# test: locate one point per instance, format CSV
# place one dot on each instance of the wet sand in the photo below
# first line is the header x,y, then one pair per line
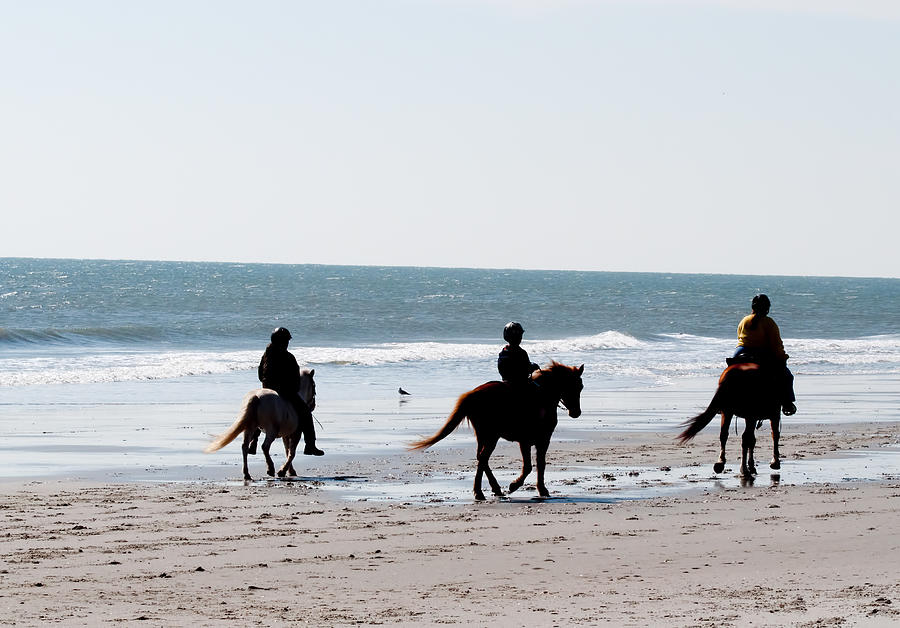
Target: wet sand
x,y
391,540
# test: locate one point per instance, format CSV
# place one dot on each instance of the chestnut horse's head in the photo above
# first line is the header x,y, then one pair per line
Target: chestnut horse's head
x,y
566,380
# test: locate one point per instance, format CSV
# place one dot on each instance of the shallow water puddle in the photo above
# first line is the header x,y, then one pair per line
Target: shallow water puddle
x,y
580,484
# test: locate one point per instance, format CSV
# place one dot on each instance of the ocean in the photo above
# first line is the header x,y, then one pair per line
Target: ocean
x,y
77,322
87,346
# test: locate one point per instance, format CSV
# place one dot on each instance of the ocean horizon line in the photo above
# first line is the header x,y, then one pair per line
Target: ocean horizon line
x,y
440,267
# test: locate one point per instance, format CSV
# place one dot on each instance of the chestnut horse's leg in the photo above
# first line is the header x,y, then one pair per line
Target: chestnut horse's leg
x,y
245,447
723,440
526,467
776,433
485,449
541,459
270,466
748,443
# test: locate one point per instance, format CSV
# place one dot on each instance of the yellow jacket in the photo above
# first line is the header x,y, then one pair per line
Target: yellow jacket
x,y
765,336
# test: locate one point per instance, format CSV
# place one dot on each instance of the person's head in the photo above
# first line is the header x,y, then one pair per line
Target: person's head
x,y
513,333
281,337
760,304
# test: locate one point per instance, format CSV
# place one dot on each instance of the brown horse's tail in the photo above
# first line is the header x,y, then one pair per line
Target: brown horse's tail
x,y
456,417
248,413
695,425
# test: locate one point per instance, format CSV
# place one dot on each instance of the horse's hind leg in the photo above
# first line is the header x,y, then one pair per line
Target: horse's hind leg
x,y
245,446
776,434
270,466
748,443
526,467
251,449
723,440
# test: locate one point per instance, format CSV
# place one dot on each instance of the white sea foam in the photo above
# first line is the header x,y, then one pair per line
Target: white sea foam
x,y
606,354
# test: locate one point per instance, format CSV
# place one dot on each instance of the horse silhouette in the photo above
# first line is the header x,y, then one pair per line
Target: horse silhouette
x,y
752,393
499,410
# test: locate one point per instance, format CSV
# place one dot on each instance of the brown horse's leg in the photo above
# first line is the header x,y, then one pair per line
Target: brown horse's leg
x,y
723,440
485,449
776,433
270,466
526,467
748,442
541,459
245,446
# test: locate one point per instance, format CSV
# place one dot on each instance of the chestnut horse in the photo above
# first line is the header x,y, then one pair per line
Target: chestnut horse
x,y
750,392
497,410
264,410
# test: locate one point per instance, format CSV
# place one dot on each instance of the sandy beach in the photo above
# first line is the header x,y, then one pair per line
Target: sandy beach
x,y
771,553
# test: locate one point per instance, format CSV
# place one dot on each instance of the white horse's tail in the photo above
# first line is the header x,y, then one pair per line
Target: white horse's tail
x,y
248,415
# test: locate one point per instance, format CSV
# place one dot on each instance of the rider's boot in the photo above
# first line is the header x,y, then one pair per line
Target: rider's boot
x,y
788,408
311,450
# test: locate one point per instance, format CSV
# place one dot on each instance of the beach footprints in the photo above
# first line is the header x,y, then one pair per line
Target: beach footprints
x,y
495,410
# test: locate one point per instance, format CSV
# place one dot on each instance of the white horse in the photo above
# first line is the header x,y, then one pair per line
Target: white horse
x,y
264,410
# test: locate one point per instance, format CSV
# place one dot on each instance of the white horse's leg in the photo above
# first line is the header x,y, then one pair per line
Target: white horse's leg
x,y
290,449
723,440
245,446
289,452
270,465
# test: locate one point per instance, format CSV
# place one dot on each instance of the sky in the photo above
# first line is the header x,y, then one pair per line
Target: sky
x,y
718,136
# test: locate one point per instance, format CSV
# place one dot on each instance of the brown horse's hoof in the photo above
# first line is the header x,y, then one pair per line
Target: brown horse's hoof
x,y
270,472
718,467
753,470
775,464
515,486
247,478
544,493
281,473
479,497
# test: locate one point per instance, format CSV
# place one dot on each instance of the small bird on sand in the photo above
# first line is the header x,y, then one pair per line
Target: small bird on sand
x,y
401,391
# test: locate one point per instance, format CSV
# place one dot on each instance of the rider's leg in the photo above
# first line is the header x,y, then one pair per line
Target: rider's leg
x,y
788,398
308,429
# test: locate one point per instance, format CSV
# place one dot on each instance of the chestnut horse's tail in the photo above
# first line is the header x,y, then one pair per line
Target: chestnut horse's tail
x,y
248,414
695,425
732,382
456,417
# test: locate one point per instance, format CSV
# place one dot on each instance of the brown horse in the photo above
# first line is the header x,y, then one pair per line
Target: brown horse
x,y
496,410
264,410
750,392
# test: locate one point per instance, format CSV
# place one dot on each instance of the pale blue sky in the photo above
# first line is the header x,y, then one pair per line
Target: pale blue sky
x,y
597,135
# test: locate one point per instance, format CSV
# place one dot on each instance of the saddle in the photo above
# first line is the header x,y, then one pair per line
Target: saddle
x,y
744,358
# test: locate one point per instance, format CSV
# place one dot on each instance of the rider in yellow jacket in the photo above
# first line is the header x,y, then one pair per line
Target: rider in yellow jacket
x,y
759,336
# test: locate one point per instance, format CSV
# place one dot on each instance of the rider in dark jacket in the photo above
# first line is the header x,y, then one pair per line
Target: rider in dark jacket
x,y
279,371
513,363
516,368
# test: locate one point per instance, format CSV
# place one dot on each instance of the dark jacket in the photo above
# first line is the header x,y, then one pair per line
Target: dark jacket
x,y
278,370
514,364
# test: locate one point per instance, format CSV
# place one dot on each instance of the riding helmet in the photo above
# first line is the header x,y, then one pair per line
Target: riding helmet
x,y
281,336
513,330
760,304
